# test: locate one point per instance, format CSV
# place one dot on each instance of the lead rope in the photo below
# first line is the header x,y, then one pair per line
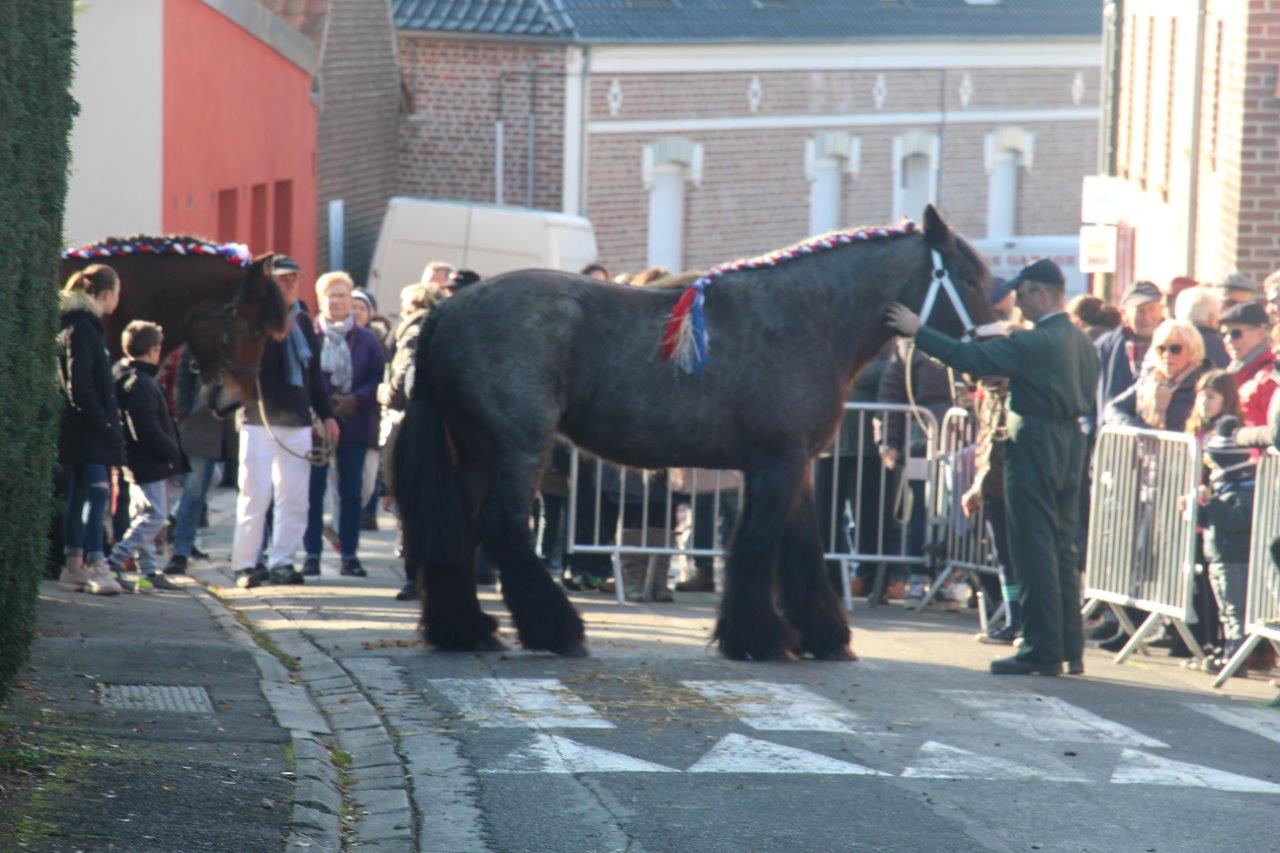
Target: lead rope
x,y
317,456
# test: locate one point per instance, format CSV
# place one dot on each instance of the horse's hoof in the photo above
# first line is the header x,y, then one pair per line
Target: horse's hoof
x,y
778,656
577,650
842,654
492,643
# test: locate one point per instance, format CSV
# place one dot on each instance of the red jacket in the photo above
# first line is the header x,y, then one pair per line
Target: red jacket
x,y
1256,382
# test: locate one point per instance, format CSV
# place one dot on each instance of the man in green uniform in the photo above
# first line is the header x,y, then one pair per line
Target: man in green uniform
x,y
1053,375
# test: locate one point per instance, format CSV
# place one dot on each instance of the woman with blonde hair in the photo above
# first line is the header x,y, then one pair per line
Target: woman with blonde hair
x,y
1164,396
90,439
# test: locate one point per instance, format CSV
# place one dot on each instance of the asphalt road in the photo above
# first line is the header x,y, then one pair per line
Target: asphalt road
x,y
654,743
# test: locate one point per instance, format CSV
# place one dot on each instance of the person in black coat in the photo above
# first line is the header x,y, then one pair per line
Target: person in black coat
x,y
89,437
152,451
276,441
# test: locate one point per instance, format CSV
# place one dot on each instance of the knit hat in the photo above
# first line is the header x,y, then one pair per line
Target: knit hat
x,y
1226,459
367,298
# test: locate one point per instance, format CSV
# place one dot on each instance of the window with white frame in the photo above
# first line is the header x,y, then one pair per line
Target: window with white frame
x,y
668,165
1009,150
827,157
915,173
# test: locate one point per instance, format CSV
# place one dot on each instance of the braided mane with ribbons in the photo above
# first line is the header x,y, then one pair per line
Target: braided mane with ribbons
x,y
685,338
236,254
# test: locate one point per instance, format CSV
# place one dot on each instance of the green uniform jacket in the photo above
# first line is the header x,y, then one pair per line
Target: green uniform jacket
x,y
1053,369
1053,375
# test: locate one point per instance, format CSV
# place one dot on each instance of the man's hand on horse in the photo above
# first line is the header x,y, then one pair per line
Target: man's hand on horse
x,y
902,320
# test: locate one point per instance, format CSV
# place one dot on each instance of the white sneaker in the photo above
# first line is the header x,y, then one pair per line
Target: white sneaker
x,y
74,575
915,591
100,581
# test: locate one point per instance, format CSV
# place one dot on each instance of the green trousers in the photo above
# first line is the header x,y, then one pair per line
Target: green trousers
x,y
1043,472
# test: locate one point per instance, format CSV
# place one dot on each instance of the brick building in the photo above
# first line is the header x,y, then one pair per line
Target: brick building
x,y
356,89
1192,133
694,132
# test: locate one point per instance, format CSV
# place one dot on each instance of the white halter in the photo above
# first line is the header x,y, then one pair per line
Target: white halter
x,y
942,282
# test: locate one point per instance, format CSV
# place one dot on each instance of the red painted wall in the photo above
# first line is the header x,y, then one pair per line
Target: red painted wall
x,y
239,138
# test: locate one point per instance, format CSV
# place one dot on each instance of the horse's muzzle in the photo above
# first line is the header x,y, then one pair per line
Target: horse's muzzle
x,y
220,399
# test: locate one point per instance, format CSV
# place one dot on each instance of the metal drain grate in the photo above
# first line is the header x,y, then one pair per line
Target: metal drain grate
x,y
181,698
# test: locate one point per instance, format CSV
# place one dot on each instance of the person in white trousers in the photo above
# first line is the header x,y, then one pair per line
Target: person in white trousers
x,y
273,454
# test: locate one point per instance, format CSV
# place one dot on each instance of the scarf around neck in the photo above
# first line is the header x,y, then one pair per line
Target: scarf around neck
x,y
297,352
335,354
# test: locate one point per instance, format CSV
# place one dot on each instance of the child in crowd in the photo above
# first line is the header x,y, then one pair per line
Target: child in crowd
x,y
1226,516
151,450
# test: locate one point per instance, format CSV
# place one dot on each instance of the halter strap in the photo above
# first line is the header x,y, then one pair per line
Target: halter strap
x,y
942,283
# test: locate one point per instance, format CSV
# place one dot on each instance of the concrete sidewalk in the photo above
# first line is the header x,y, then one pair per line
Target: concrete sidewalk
x,y
139,724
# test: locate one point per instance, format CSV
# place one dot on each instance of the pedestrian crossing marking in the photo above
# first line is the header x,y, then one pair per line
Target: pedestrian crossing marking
x,y
1141,768
940,761
535,703
740,754
770,707
555,754
1047,718
1256,721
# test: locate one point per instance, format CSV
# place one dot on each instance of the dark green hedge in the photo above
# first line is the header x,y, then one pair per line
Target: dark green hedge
x,y
36,110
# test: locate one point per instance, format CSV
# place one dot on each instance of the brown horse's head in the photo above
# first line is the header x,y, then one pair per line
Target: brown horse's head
x,y
969,276
227,343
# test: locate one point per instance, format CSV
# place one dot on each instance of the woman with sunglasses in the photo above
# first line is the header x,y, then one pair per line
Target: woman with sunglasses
x,y
1164,396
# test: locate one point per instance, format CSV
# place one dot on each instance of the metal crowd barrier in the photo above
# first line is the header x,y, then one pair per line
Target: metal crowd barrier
x,y
1262,604
880,502
1142,531
849,477
966,544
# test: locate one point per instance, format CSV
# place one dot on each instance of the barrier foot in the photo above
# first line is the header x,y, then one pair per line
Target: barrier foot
x,y
982,607
877,588
1187,637
1238,659
1136,639
935,587
1002,612
1122,616
618,591
845,579
1090,607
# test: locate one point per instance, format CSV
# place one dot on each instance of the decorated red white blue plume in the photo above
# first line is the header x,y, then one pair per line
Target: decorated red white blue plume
x,y
684,340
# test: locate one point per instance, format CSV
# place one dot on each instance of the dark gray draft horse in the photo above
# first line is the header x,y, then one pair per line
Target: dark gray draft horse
x,y
506,364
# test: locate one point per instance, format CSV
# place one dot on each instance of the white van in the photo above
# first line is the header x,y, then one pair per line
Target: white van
x,y
487,238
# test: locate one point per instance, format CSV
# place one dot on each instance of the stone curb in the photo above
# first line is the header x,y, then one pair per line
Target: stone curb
x,y
315,822
328,701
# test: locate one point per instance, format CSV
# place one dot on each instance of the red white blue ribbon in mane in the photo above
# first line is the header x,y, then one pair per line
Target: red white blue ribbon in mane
x,y
236,254
685,338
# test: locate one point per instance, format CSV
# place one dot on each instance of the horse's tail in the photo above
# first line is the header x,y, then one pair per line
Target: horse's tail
x,y
428,484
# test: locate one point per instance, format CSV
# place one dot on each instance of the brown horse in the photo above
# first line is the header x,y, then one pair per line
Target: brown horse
x,y
211,297
508,363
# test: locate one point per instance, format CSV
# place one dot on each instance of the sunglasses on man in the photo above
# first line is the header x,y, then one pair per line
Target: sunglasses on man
x,y
1233,334
1172,349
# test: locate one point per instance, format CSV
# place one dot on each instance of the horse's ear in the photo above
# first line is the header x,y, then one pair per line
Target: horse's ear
x,y
262,263
936,231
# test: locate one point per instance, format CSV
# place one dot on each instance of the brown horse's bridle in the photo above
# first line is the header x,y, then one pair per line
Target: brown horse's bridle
x,y
227,314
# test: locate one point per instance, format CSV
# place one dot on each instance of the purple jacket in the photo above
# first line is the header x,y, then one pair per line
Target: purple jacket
x,y
367,364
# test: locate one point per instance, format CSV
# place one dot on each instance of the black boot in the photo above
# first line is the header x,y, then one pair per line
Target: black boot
x,y
1021,666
